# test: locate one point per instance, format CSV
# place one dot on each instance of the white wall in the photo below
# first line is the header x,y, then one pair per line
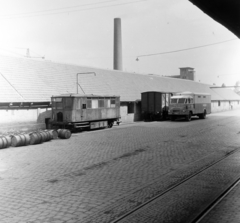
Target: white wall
x,y
125,117
23,119
224,106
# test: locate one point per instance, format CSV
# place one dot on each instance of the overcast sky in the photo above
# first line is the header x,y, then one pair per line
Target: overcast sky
x,y
81,32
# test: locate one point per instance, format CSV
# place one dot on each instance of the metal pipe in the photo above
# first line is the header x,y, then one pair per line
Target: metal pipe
x,y
79,84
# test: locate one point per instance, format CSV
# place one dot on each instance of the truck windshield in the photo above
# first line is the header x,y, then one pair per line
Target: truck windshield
x,y
181,100
174,101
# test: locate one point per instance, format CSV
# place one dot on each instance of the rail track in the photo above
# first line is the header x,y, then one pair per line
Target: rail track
x,y
214,204
137,213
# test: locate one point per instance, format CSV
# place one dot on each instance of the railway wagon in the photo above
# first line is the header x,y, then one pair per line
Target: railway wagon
x,y
155,105
75,111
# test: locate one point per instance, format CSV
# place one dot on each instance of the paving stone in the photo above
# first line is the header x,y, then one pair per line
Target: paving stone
x,y
95,172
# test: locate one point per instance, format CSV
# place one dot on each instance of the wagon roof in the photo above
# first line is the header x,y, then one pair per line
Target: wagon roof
x,y
85,96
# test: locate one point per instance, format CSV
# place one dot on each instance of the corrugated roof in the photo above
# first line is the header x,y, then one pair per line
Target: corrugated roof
x,y
32,80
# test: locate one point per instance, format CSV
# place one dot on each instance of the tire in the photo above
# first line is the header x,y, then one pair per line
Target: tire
x,y
172,118
189,117
203,116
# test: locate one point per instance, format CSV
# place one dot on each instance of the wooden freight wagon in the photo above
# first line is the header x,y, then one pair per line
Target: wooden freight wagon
x,y
155,105
74,111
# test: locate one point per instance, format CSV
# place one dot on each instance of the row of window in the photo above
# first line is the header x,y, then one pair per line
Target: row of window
x,y
67,103
99,103
182,101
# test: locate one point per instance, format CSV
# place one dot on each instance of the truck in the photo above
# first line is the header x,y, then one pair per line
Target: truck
x,y
188,104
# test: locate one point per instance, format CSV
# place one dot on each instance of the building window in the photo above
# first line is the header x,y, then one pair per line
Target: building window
x,y
199,96
108,103
130,108
94,103
219,103
68,103
78,103
89,103
113,103
101,103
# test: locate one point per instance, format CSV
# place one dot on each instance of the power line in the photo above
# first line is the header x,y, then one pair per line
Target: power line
x,y
12,52
68,11
175,51
56,9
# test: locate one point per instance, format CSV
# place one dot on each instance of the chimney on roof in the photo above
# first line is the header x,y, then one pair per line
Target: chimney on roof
x,y
117,45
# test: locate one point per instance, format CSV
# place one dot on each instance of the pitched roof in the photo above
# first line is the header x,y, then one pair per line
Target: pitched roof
x,y
224,94
24,79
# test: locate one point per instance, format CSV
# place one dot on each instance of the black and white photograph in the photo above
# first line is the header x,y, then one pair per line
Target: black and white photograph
x,y
119,111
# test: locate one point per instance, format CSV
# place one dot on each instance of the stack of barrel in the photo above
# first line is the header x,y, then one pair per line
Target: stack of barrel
x,y
33,138
5,141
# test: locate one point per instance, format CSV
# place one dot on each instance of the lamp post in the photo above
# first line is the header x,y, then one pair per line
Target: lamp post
x,y
79,84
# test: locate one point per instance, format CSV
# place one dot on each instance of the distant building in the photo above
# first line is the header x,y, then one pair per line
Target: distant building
x,y
187,73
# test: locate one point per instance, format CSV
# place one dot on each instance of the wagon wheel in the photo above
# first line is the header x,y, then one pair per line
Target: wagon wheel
x,y
110,124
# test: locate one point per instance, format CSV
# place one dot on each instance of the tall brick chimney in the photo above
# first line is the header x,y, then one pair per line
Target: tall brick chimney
x,y
117,45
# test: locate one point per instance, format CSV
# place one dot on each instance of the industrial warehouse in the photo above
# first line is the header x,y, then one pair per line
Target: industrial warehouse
x,y
27,86
87,136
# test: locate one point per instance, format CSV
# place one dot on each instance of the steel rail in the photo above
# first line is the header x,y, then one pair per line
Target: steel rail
x,y
171,188
205,212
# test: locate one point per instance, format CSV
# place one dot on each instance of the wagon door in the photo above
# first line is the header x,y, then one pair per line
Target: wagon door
x,y
83,109
78,112
80,109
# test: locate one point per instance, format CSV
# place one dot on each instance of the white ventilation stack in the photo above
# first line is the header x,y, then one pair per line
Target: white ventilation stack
x,y
117,45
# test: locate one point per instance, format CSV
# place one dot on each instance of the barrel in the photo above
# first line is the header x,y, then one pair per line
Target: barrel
x,y
64,133
35,138
18,140
9,140
27,137
44,136
4,142
53,133
49,137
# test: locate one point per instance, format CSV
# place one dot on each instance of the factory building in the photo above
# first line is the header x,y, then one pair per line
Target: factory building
x,y
26,87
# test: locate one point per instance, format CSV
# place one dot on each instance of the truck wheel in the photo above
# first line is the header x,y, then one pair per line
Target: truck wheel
x,y
203,115
189,117
172,118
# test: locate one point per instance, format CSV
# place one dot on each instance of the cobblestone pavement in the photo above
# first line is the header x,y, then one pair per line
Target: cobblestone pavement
x,y
227,211
184,203
95,176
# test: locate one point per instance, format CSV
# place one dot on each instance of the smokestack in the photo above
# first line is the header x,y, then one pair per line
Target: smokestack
x,y
117,60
